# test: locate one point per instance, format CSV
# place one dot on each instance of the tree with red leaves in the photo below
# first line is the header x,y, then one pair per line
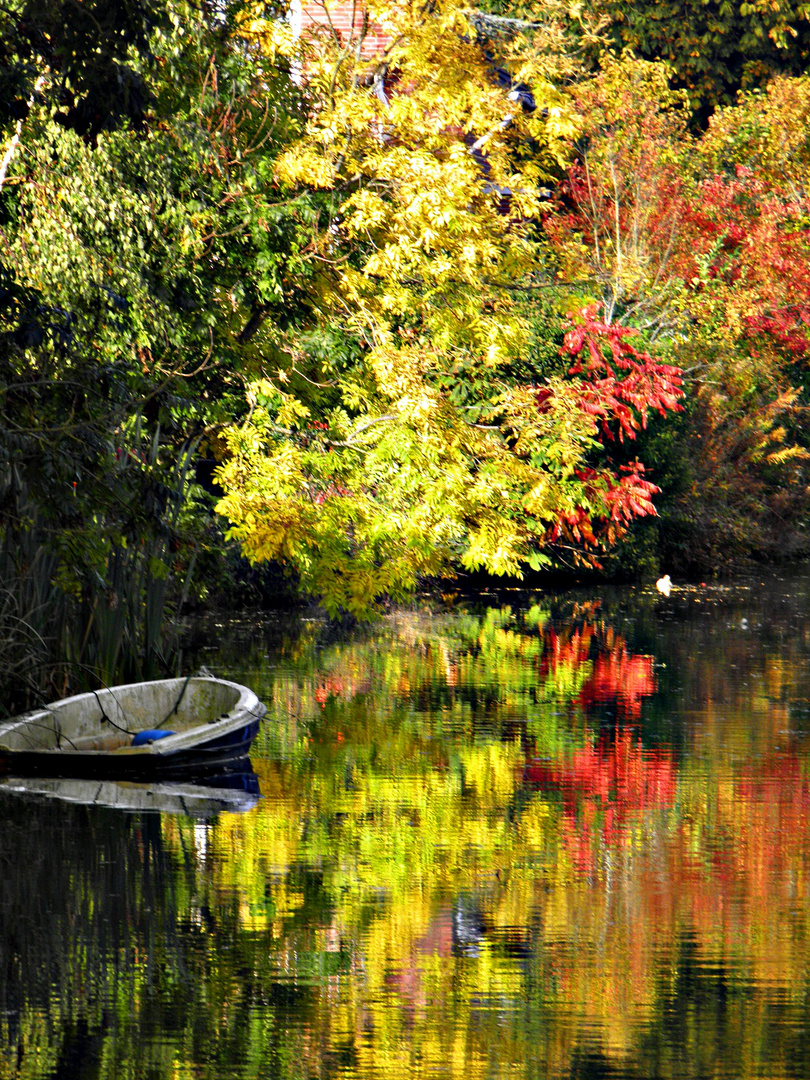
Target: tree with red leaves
x,y
703,244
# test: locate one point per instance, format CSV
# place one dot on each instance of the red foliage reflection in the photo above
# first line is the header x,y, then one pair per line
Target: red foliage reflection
x,y
605,787
623,677
617,772
617,675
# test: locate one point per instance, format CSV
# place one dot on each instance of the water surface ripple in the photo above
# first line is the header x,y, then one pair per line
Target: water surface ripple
x,y
523,836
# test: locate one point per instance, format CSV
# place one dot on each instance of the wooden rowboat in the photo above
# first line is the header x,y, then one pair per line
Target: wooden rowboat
x,y
163,728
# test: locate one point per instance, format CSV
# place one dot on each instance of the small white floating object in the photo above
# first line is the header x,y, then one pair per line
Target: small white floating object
x,y
664,585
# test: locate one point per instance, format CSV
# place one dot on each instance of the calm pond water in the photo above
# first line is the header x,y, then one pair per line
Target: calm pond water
x,y
525,836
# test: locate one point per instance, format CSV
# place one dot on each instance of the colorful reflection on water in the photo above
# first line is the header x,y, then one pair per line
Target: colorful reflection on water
x,y
527,837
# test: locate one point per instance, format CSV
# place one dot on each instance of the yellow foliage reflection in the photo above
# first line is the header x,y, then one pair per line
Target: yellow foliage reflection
x,y
504,882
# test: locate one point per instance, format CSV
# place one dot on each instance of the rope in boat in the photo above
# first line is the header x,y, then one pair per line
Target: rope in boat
x,y
109,719
176,706
126,731
56,730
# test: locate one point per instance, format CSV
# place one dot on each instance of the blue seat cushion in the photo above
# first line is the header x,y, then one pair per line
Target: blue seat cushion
x,y
149,736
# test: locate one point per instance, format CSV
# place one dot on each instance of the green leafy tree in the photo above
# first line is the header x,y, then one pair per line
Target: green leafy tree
x,y
715,49
135,254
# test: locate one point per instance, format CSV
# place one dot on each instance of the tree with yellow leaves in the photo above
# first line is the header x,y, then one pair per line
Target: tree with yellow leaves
x,y
426,417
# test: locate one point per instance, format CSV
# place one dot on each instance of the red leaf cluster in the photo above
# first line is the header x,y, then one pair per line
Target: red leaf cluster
x,y
742,232
619,383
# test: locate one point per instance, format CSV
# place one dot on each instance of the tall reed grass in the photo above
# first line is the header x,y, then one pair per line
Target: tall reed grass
x,y
96,602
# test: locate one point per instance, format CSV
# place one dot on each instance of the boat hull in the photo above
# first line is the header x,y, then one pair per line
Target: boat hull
x,y
200,760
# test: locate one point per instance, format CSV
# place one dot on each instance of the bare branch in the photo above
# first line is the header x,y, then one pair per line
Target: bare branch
x,y
15,138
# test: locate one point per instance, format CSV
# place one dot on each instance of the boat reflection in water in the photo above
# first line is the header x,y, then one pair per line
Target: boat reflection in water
x,y
234,791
